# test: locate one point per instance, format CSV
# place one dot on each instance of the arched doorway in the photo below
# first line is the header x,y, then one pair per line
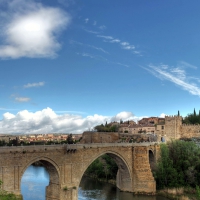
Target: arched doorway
x,y
52,190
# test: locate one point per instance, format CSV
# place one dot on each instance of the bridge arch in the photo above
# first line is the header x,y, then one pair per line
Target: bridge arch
x,y
152,161
124,174
52,190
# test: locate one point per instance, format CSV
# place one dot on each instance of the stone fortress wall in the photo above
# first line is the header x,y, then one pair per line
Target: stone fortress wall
x,y
89,137
174,129
189,131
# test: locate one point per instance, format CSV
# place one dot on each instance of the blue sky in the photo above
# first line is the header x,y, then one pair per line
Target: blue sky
x,y
68,65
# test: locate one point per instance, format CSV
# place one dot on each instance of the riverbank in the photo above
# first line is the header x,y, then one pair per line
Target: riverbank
x,y
178,193
170,193
111,181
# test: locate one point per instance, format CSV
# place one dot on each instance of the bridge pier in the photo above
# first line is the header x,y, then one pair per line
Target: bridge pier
x,y
143,180
68,194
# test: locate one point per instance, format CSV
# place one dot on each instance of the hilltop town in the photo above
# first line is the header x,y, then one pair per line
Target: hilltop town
x,y
151,128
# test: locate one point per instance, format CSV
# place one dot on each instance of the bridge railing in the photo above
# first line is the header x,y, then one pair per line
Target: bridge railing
x,y
100,145
33,148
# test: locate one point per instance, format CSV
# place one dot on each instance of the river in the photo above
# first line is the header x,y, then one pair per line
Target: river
x,y
36,178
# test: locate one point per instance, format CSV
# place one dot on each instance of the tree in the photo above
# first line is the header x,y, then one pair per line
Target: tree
x,y
194,112
179,165
106,128
192,118
70,139
103,167
165,174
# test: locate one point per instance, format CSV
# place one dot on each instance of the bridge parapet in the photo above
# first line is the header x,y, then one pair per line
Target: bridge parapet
x,y
57,147
101,145
32,148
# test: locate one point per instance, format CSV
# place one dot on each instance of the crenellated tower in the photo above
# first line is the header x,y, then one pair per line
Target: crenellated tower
x,y
173,127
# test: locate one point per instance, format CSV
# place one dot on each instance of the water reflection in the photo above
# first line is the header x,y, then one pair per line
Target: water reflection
x,y
95,190
34,182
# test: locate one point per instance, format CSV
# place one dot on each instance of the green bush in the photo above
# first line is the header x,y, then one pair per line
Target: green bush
x,y
179,165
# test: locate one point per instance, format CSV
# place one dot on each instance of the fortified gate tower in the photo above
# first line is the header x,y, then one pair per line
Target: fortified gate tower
x,y
173,127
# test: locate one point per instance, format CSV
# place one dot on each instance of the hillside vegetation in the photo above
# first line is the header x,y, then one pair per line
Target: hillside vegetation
x,y
103,168
179,165
192,118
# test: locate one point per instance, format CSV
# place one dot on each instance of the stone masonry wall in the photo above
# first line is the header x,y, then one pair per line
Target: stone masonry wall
x,y
99,137
189,131
174,129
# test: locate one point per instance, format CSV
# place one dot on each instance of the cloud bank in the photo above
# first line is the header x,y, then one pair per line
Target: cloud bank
x,y
30,85
30,29
47,121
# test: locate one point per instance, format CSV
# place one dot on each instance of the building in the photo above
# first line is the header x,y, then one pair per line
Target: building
x,y
151,120
136,128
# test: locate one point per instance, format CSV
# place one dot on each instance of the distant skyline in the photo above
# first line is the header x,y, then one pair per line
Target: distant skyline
x,y
68,65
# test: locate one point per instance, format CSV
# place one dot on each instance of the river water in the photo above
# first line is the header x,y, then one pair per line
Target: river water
x,y
35,179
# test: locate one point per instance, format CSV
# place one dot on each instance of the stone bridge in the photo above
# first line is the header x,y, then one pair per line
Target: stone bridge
x,y
66,165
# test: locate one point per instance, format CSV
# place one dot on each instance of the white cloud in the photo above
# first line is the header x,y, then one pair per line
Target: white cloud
x,y
105,37
124,43
7,109
86,55
130,47
22,99
137,53
90,46
115,41
8,116
162,115
86,20
176,75
123,115
102,27
185,64
95,23
30,29
47,121
98,48
89,31
122,64
39,84
98,57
